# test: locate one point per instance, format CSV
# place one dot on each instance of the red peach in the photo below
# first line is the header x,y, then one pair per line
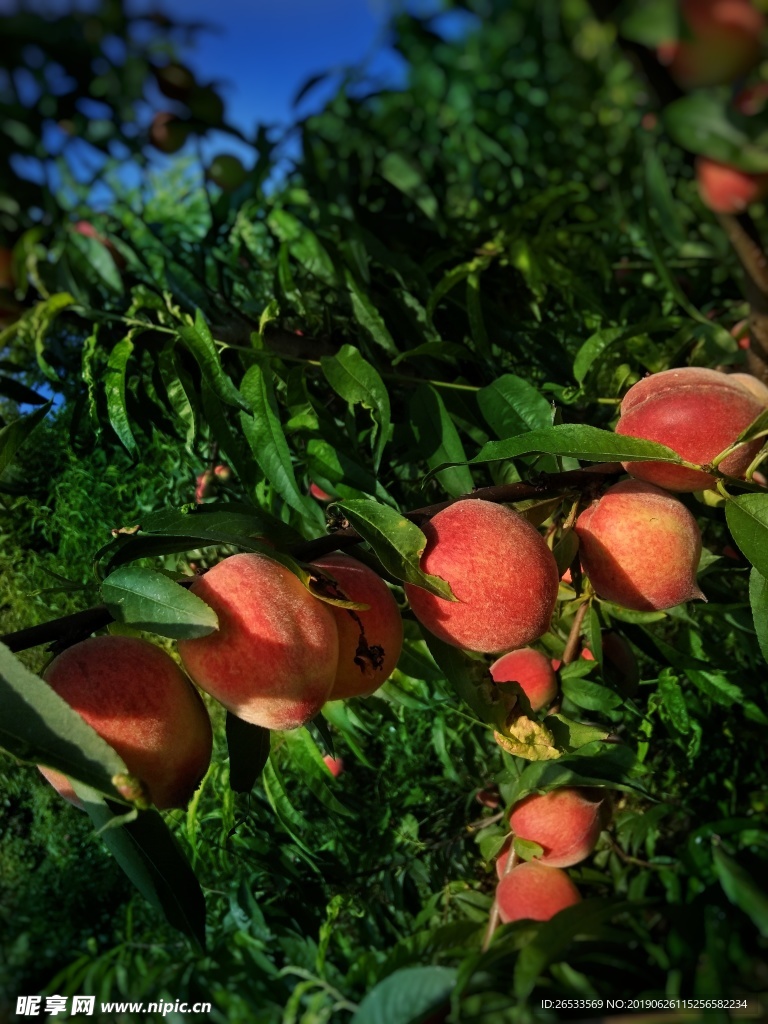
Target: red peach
x,y
532,670
566,823
318,492
364,664
721,42
640,547
726,189
138,699
533,891
500,569
273,659
335,765
168,133
697,413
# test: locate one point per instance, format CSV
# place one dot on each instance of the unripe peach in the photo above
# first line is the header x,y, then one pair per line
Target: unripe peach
x,y
168,133
751,383
640,547
503,574
175,81
273,659
726,189
722,43
532,670
138,699
697,413
364,664
566,823
533,891
227,172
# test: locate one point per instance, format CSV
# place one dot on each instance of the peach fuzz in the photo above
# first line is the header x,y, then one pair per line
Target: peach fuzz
x,y
726,189
566,823
272,661
758,389
721,42
137,698
532,891
360,672
503,574
532,670
697,413
640,547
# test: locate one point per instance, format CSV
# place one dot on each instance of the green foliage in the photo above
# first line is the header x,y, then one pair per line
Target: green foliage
x,y
451,287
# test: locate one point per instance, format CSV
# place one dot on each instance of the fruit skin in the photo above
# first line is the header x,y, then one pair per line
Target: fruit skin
x,y
318,492
640,547
62,785
532,670
533,891
382,624
227,172
168,133
721,43
758,389
137,698
272,661
726,189
697,413
335,765
503,574
566,823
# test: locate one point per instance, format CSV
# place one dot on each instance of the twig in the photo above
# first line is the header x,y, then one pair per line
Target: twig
x,y
569,654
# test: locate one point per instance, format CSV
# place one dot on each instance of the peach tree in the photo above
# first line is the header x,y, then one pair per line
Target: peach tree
x,y
492,335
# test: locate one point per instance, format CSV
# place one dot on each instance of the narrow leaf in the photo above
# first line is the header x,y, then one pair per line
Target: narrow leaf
x,y
149,600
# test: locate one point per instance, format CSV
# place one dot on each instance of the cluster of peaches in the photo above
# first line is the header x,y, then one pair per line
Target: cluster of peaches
x,y
280,653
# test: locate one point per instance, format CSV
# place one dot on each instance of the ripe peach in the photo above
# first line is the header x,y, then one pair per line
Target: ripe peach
x,y
138,699
566,823
640,547
697,413
273,659
365,661
721,43
335,765
318,492
726,189
503,574
751,383
532,670
533,891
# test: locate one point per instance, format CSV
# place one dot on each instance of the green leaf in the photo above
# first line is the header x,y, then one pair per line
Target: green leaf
x,y
593,348
397,542
34,325
591,696
758,599
114,388
18,392
369,317
747,518
199,341
662,203
742,889
248,747
471,680
406,176
358,382
475,314
149,854
147,599
97,261
438,440
406,996
264,433
701,124
14,434
578,441
38,726
511,406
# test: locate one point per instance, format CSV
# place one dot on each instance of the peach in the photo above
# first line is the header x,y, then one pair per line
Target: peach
x,y
272,661
533,891
503,574
758,389
227,172
335,765
532,670
138,699
370,641
721,42
317,492
168,133
697,413
62,785
175,81
640,547
726,189
566,823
